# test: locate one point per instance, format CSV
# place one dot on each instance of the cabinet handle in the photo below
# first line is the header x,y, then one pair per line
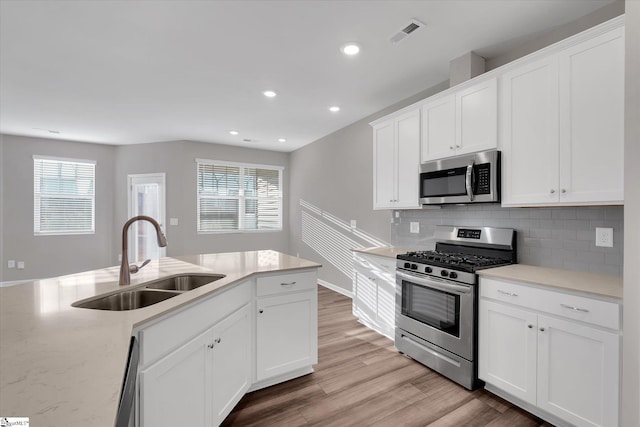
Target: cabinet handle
x,y
553,191
530,326
563,190
218,340
541,329
570,307
451,147
457,146
210,346
288,284
500,291
261,311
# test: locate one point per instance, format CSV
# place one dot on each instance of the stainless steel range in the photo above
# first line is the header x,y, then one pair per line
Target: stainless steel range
x,y
436,298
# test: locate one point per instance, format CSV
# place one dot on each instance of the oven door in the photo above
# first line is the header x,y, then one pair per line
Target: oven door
x,y
439,311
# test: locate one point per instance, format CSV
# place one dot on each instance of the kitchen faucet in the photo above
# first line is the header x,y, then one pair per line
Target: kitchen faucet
x,y
125,270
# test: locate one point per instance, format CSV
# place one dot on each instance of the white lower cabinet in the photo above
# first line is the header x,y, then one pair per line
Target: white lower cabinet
x,y
374,292
199,383
286,324
197,363
565,367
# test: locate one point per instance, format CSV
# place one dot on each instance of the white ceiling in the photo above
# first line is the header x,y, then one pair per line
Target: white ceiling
x,y
126,72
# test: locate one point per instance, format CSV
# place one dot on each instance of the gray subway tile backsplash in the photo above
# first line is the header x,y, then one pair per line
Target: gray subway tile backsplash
x,y
561,237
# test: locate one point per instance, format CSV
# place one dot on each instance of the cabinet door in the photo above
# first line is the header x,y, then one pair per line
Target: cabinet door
x,y
176,391
439,128
384,175
578,371
592,120
507,349
287,332
477,117
407,151
529,133
231,367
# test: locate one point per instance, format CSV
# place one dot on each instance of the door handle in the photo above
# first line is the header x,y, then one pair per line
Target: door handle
x,y
469,181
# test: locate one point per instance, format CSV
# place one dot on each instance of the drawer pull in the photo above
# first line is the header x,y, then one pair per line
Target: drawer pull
x,y
511,294
288,284
584,310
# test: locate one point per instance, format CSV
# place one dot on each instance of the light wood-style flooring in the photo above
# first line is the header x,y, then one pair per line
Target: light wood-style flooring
x,y
361,380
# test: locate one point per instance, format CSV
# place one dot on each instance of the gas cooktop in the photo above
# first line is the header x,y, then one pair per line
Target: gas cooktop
x,y
453,260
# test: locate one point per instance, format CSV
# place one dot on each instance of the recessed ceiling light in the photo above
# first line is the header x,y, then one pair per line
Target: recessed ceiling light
x,y
350,49
234,132
269,93
334,109
282,140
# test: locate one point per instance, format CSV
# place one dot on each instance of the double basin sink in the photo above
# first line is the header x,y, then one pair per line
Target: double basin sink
x,y
149,293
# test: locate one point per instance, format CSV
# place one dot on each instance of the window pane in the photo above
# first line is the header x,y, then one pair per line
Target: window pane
x,y
223,207
218,180
64,199
218,214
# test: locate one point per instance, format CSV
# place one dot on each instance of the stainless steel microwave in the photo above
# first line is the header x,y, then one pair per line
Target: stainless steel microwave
x,y
469,178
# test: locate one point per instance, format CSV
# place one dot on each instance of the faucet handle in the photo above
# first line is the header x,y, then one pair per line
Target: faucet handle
x,y
134,268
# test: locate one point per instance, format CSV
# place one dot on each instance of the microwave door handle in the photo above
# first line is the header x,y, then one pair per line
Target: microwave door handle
x,y
469,181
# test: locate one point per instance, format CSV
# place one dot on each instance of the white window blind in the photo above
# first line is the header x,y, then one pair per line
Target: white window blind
x,y
63,196
238,197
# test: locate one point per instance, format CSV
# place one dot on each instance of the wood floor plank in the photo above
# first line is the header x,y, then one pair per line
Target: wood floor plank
x,y
361,380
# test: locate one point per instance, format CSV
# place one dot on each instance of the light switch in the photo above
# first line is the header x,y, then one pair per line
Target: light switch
x,y
20,265
11,263
414,227
173,221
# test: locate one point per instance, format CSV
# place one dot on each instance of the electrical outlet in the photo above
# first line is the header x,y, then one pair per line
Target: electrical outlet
x,y
353,223
11,263
604,237
414,227
119,257
173,221
20,265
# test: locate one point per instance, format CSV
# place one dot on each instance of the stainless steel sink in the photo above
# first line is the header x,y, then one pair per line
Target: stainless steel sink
x,y
128,300
185,282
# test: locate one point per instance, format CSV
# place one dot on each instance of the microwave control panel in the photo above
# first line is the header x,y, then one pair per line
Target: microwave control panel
x,y
483,182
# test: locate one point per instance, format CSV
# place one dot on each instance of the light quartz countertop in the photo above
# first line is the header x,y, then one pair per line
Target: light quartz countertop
x,y
595,284
385,251
61,365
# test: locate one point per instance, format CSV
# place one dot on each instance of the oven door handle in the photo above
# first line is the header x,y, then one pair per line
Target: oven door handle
x,y
435,283
469,181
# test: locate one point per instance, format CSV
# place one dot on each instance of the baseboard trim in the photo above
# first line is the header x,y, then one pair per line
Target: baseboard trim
x,y
336,288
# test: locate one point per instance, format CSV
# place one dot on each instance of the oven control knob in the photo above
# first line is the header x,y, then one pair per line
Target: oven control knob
x,y
444,273
407,265
453,275
414,267
428,269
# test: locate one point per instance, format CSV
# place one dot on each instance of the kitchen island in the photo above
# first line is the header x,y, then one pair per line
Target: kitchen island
x,y
62,365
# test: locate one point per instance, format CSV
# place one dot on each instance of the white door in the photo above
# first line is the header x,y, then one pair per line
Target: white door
x,y
384,173
477,117
146,197
578,370
408,160
439,128
529,133
508,349
176,391
592,120
231,369
286,333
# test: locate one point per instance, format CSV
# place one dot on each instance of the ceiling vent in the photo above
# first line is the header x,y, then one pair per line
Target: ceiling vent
x,y
412,26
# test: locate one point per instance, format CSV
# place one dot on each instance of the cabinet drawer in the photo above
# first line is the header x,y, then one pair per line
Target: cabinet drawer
x,y
381,266
167,334
284,283
584,309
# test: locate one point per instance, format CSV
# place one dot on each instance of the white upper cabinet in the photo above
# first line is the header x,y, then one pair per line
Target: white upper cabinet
x,y
461,122
562,125
396,145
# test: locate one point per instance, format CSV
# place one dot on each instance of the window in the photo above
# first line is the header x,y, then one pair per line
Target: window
x,y
63,196
238,197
